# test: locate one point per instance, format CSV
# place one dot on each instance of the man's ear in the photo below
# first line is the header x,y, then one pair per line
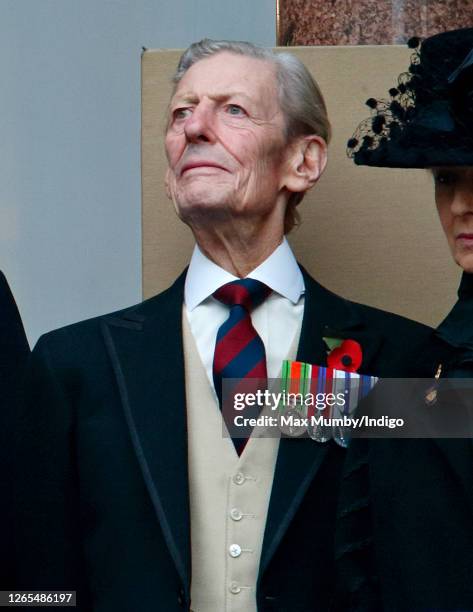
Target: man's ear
x,y
307,161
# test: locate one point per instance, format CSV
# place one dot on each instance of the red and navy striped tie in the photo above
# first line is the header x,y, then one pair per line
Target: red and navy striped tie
x,y
239,351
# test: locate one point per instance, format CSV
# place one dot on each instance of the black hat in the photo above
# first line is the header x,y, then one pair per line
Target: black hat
x,y
428,118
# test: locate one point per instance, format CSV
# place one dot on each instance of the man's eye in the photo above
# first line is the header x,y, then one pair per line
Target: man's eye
x,y
234,109
181,113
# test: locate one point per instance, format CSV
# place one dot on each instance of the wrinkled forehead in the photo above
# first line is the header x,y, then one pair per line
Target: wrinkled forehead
x,y
228,74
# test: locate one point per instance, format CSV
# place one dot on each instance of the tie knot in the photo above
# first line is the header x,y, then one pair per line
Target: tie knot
x,y
245,292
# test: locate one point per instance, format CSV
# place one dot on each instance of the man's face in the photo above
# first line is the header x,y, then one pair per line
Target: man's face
x,y
454,198
225,139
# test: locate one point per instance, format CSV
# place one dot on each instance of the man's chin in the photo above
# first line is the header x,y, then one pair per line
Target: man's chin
x,y
198,211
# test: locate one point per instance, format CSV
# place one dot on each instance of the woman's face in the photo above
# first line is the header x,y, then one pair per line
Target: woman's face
x,y
454,198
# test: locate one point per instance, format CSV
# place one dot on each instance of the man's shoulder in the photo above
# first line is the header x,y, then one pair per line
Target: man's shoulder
x,y
387,323
391,323
88,331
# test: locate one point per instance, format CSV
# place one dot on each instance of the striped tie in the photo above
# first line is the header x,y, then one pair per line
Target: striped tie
x,y
239,351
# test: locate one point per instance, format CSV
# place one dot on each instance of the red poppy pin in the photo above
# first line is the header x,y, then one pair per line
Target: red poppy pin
x,y
344,354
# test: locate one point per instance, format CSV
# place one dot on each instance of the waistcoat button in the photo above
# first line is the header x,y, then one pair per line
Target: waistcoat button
x,y
239,478
236,514
234,550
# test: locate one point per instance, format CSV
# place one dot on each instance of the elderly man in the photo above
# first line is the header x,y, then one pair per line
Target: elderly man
x,y
129,493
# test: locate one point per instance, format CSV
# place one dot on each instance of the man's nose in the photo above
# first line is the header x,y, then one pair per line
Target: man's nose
x,y
199,127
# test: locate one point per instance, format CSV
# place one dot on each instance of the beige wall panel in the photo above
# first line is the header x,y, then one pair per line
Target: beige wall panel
x,y
370,234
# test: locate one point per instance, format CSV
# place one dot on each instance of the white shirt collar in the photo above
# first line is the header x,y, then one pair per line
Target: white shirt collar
x,y
279,271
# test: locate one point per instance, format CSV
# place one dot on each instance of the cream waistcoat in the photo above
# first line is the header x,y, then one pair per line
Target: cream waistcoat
x,y
229,497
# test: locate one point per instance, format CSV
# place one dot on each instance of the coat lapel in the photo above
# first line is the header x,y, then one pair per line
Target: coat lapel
x,y
329,315
145,347
324,314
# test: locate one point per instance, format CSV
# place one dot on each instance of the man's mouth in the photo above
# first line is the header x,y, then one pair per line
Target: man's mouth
x,y
202,164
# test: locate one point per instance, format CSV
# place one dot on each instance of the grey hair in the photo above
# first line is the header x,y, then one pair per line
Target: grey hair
x,y
300,98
